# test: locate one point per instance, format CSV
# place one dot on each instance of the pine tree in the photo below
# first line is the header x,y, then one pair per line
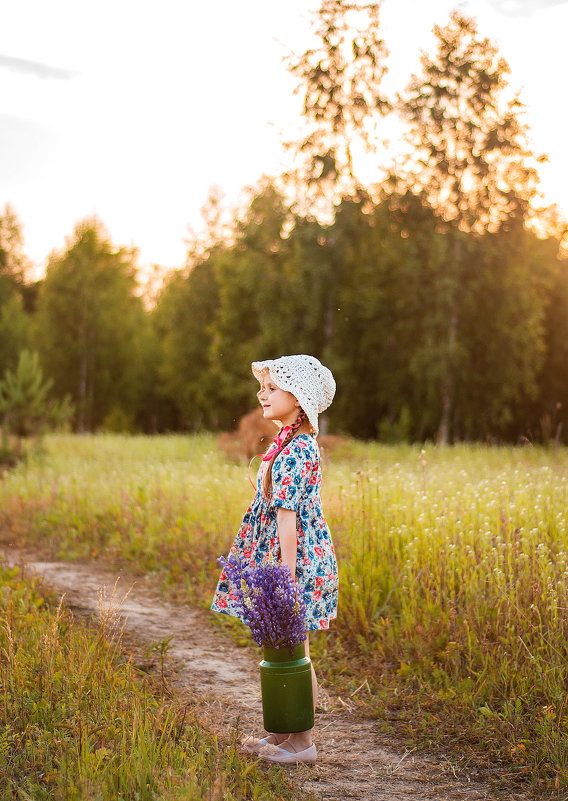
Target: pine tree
x,y
25,405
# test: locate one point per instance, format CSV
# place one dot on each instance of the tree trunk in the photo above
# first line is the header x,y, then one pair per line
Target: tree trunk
x,y
448,387
444,432
82,393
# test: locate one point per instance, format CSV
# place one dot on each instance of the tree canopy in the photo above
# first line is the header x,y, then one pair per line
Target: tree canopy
x,y
90,325
439,299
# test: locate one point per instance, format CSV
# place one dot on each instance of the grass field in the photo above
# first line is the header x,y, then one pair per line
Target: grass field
x,y
79,723
453,568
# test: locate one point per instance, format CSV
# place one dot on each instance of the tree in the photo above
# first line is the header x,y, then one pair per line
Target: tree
x,y
258,293
502,331
252,299
184,319
390,325
385,336
469,160
549,410
25,407
13,262
14,321
89,327
216,232
14,329
340,81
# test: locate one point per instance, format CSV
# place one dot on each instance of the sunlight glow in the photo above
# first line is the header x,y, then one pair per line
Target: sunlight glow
x,y
136,120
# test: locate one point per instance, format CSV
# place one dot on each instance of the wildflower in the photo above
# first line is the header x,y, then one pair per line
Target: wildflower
x,y
268,601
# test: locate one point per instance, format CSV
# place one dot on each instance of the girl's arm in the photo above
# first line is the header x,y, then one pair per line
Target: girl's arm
x,y
286,521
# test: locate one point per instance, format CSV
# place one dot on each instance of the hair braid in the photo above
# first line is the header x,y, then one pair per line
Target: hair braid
x,y
267,478
299,420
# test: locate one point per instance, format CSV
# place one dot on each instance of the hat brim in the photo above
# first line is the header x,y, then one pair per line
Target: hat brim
x,y
311,413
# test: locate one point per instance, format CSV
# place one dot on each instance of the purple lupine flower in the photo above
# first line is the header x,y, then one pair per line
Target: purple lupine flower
x,y
268,601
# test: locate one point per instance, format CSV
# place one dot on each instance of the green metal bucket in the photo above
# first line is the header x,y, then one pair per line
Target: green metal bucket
x,y
286,687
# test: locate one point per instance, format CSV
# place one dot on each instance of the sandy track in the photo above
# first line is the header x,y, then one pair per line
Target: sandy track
x,y
355,759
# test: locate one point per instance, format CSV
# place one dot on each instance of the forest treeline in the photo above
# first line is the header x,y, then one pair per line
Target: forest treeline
x,y
368,294
439,298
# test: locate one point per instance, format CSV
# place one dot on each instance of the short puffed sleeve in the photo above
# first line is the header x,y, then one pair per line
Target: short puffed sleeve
x,y
290,474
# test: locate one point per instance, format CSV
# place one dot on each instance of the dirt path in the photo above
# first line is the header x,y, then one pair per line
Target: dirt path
x,y
355,760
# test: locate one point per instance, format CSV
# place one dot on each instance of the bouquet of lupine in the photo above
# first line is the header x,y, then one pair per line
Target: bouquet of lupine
x,y
268,601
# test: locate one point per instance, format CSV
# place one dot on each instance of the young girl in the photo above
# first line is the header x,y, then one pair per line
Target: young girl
x,y
285,518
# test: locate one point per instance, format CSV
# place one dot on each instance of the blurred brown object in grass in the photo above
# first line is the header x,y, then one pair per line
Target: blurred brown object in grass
x,y
254,434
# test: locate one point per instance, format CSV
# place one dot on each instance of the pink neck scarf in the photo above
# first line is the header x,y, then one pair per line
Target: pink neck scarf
x,y
276,444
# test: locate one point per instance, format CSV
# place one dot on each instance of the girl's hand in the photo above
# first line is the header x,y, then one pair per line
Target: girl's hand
x,y
286,522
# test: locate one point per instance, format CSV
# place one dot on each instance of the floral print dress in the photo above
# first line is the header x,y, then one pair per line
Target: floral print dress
x,y
296,481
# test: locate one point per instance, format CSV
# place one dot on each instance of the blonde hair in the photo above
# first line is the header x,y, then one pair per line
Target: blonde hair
x,y
301,426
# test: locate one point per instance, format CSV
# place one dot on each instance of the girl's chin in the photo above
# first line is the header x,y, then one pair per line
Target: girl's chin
x,y
267,414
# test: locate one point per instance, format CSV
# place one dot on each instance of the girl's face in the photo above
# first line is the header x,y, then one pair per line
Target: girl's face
x,y
277,404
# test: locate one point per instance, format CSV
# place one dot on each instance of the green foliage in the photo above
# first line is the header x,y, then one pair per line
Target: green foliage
x,y
78,721
117,420
14,322
383,307
23,394
503,297
471,163
251,285
91,330
371,296
394,302
262,296
13,262
184,320
25,407
14,328
550,411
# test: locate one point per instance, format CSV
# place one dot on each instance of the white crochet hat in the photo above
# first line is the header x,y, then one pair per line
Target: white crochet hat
x,y
306,378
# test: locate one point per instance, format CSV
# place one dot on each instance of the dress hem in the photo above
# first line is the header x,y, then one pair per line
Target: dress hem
x,y
237,617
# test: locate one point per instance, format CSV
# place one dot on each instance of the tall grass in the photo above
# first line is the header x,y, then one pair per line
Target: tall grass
x,y
77,722
455,571
164,505
453,563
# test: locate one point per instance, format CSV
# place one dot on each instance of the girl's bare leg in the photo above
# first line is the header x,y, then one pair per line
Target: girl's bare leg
x,y
276,739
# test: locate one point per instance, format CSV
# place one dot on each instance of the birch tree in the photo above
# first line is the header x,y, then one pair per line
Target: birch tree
x,y
469,159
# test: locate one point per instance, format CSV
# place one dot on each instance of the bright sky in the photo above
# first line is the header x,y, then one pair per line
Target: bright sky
x,y
132,109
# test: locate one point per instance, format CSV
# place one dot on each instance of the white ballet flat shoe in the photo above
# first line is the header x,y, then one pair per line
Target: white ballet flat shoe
x,y
273,753
253,745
